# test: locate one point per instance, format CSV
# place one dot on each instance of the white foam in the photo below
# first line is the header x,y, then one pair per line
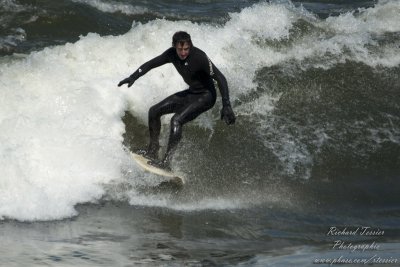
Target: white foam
x,y
355,33
60,109
227,202
205,204
113,7
60,130
384,17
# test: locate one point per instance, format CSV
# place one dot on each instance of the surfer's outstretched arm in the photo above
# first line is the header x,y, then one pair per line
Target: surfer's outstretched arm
x,y
143,69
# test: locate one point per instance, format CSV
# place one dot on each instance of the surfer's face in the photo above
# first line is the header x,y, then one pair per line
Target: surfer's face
x,y
182,50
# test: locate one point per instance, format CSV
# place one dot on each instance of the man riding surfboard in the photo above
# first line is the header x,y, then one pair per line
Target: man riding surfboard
x,y
198,72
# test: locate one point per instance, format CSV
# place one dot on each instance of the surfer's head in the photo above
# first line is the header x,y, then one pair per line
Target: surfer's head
x,y
182,43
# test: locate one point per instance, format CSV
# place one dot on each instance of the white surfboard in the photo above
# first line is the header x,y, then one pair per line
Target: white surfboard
x,y
170,176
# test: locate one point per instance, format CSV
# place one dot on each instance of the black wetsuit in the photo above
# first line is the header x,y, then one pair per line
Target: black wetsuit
x,y
198,72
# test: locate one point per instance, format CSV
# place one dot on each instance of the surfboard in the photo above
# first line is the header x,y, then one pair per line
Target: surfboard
x,y
170,177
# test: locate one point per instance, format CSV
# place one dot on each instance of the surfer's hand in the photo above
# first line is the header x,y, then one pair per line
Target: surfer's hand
x,y
130,80
227,115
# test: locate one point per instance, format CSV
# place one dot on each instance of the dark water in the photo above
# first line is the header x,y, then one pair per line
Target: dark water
x,y
316,146
33,25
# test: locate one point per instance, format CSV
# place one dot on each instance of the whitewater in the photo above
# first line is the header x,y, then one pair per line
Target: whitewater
x,y
61,132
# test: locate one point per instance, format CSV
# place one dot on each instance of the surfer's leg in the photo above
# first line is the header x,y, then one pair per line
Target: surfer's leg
x,y
194,106
168,105
175,136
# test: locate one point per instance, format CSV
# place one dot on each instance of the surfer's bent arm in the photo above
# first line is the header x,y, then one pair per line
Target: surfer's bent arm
x,y
217,75
226,113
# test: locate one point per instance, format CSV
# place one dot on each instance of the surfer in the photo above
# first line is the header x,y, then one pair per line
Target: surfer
x,y
198,72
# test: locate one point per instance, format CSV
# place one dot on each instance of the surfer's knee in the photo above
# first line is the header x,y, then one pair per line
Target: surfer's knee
x,y
154,112
176,126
